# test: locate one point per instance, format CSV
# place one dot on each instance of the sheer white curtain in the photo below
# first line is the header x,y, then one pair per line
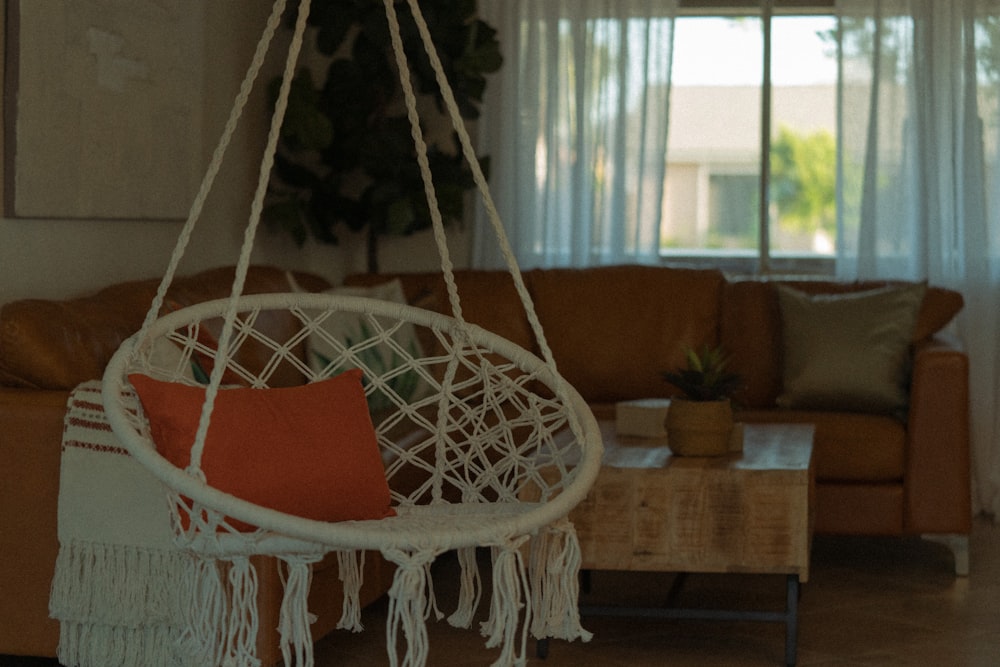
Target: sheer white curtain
x,y
920,174
575,124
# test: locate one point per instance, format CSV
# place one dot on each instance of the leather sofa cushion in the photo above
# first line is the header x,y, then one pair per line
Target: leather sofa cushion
x,y
860,509
614,330
847,447
59,344
750,328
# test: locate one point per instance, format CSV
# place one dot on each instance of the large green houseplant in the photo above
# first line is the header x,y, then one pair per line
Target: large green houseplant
x,y
346,155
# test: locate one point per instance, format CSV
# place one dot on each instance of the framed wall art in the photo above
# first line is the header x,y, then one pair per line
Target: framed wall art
x,y
102,108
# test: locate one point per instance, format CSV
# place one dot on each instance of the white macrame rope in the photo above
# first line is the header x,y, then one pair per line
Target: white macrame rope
x,y
438,225
294,618
351,565
480,180
408,606
555,586
244,620
510,589
243,265
421,146
470,590
260,54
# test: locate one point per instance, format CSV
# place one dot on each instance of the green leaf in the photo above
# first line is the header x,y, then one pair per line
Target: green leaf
x,y
198,371
399,217
286,215
705,377
334,21
295,175
305,125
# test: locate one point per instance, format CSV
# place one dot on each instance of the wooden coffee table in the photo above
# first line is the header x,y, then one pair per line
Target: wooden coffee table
x,y
746,512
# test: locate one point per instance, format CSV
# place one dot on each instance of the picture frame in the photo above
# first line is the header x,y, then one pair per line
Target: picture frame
x,y
102,109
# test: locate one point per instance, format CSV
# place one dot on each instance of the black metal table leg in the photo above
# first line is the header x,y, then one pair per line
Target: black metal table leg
x,y
792,620
585,579
789,616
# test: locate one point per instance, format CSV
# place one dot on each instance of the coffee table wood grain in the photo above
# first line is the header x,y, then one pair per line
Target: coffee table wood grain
x,y
749,511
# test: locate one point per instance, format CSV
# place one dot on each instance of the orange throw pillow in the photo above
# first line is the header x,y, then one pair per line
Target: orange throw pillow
x,y
309,450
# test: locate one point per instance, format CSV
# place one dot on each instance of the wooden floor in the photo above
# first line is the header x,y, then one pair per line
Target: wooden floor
x,y
873,602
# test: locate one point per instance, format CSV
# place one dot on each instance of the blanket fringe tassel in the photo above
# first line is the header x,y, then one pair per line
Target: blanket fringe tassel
x,y
118,605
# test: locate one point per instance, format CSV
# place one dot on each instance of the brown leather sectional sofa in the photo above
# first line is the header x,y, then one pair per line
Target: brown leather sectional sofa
x,y
613,330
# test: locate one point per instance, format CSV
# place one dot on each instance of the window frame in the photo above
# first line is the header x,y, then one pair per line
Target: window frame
x,y
761,261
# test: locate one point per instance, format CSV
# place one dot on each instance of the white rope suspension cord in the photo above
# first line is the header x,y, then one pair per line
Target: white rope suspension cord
x,y
418,139
438,225
478,176
243,264
273,22
477,173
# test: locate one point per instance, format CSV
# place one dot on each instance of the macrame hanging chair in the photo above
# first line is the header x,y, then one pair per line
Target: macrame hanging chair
x,y
482,443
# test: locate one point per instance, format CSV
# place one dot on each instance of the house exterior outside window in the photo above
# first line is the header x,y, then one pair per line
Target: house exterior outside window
x,y
712,211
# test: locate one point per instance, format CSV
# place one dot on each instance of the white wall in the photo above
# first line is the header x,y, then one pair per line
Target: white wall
x,y
60,258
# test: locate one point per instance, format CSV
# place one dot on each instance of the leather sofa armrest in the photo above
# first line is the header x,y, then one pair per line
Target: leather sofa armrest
x,y
937,483
31,427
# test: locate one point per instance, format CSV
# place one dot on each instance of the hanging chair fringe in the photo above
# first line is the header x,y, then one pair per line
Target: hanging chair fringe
x,y
510,583
294,618
555,583
408,607
241,636
351,565
470,590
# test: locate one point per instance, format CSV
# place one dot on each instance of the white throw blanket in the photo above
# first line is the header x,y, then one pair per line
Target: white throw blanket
x,y
118,588
126,595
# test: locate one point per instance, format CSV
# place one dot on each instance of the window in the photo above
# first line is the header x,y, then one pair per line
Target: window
x,y
726,204
688,131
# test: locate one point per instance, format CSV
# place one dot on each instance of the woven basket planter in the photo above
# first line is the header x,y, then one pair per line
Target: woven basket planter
x,y
699,428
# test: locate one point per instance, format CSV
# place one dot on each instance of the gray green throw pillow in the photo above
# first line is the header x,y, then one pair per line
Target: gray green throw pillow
x,y
389,361
848,351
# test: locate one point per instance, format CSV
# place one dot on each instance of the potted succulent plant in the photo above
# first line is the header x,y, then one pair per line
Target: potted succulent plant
x,y
700,419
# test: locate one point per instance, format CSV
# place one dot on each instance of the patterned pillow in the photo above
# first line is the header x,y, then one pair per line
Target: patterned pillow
x,y
350,329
